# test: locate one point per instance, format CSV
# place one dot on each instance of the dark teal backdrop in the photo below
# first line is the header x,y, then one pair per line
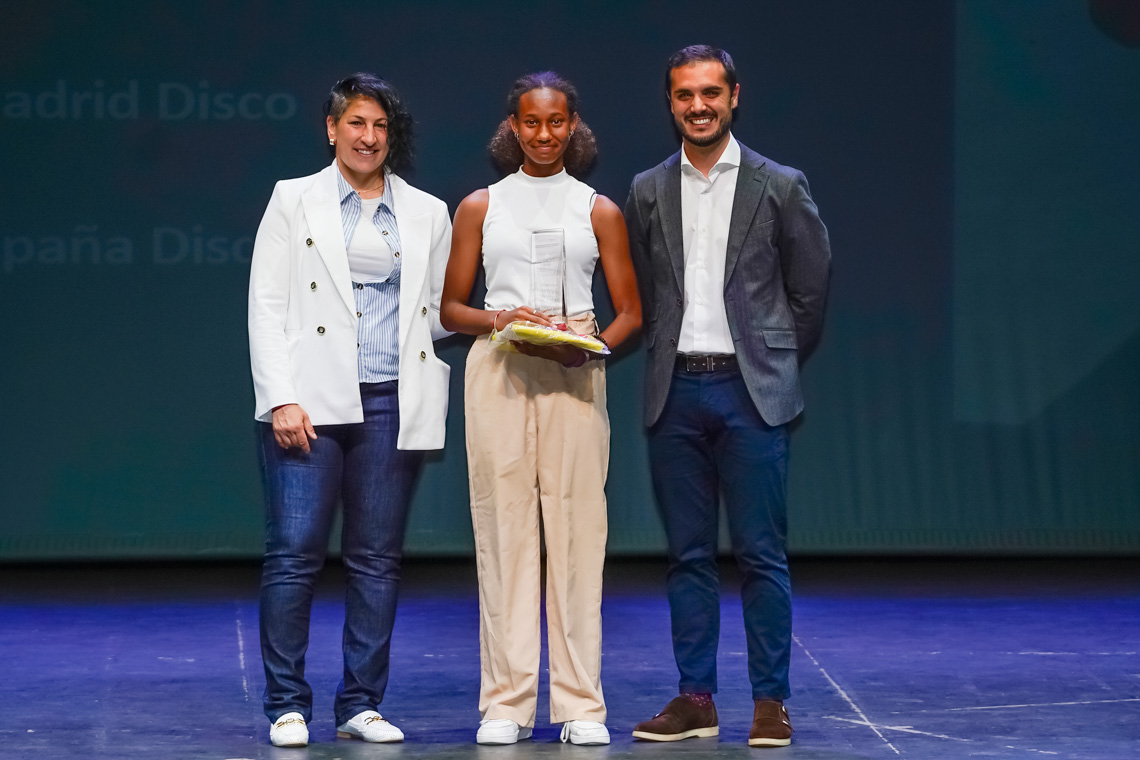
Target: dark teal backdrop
x,y
976,386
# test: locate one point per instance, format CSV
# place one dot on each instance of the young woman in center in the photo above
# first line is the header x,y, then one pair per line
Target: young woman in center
x,y
537,428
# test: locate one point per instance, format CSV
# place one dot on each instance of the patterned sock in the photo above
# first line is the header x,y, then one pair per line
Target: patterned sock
x,y
702,699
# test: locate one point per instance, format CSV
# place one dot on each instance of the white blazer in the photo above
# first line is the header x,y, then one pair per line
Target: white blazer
x,y
302,317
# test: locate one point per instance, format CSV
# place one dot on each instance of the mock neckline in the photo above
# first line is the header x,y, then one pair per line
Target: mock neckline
x,y
552,179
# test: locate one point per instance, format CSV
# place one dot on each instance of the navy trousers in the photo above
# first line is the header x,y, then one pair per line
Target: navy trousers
x,y
710,440
360,466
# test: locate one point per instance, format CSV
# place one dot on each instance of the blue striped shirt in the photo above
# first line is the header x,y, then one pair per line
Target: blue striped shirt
x,y
377,303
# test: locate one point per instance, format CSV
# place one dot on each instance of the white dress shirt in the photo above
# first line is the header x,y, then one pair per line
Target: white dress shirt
x,y
706,210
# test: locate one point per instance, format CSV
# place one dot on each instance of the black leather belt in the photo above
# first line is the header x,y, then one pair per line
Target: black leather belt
x,y
706,362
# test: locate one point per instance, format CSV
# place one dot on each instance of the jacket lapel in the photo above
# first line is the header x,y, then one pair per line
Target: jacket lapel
x,y
751,180
669,212
415,238
322,213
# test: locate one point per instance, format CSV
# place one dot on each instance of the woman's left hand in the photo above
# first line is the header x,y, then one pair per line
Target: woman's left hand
x,y
567,356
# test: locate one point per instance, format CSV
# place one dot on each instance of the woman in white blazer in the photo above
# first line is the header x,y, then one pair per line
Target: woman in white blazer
x,y
344,294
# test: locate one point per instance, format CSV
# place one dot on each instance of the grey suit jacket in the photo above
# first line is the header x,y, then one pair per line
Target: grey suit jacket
x,y
775,278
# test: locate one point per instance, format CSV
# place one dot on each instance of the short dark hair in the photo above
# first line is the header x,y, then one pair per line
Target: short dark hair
x,y
401,146
695,53
582,149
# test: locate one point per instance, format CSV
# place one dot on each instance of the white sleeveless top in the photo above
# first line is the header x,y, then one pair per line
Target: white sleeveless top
x,y
518,205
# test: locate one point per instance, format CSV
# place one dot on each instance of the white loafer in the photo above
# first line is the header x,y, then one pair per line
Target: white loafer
x,y
369,726
289,731
501,731
585,732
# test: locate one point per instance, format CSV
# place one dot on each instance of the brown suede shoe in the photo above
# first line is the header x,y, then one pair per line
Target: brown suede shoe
x,y
680,719
770,725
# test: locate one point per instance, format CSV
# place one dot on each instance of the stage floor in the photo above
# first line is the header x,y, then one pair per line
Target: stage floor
x,y
892,659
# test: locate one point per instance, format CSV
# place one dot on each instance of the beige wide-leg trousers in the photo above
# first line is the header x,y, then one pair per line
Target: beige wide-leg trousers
x,y
538,438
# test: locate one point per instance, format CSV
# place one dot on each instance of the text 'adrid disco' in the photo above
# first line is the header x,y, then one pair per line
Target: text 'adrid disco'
x,y
166,101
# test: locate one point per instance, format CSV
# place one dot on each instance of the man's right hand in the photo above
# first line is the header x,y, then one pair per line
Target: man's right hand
x,y
291,427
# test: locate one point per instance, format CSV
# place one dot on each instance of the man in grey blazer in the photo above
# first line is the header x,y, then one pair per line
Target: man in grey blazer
x,y
732,261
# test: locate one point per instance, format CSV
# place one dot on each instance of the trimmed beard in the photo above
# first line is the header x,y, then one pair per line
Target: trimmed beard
x,y
704,142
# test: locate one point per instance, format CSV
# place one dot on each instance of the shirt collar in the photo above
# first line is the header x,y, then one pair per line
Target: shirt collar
x,y
346,191
729,157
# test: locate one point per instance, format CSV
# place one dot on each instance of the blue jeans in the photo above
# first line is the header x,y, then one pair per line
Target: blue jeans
x,y
359,465
711,440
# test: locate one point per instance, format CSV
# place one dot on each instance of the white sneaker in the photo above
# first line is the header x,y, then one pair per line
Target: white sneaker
x,y
501,731
586,732
289,731
369,726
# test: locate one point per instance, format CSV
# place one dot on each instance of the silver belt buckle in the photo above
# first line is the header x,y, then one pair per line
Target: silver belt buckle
x,y
698,363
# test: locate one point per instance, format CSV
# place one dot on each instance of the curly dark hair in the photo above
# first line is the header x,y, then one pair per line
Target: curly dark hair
x,y
582,148
401,145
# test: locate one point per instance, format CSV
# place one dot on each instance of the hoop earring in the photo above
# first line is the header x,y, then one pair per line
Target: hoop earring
x,y
516,136
571,133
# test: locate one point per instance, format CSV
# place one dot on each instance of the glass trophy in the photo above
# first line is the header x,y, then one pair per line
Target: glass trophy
x,y
548,274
